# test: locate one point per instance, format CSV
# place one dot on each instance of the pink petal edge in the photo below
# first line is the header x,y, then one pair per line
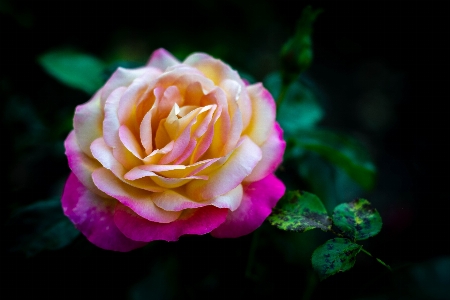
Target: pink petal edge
x,y
201,221
162,59
259,199
93,216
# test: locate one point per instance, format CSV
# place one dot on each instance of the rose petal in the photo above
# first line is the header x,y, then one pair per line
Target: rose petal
x,y
257,203
183,137
169,171
170,183
177,200
87,123
138,200
263,113
194,93
197,221
81,165
103,154
206,139
231,200
111,122
272,155
94,217
222,124
155,156
162,59
238,166
128,139
136,93
170,97
111,127
237,92
141,171
182,76
123,78
145,132
212,68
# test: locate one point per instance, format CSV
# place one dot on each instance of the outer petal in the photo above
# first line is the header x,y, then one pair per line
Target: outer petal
x,y
123,78
259,199
214,69
81,165
138,200
263,113
197,221
93,216
87,123
162,59
272,155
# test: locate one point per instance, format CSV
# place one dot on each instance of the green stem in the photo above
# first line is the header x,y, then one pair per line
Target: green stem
x,y
379,260
336,233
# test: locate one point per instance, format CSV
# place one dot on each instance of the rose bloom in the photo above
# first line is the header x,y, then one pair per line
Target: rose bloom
x,y
171,149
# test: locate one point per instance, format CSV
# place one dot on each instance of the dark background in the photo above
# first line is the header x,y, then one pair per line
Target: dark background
x,y
383,69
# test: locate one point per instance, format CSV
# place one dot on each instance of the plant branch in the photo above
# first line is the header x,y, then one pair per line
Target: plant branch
x,y
379,260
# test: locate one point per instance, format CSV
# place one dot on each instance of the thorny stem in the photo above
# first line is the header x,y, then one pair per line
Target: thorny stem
x,y
379,260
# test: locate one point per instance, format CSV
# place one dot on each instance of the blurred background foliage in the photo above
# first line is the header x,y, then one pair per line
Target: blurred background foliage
x,y
379,80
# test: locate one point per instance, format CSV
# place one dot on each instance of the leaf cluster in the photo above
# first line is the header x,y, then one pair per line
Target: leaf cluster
x,y
352,221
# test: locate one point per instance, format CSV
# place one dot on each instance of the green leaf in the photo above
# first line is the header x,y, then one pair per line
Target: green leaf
x,y
75,69
341,151
300,109
357,219
300,211
336,255
297,53
41,226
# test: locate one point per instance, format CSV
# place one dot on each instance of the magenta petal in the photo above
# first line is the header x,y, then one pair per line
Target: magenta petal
x,y
259,199
193,221
94,217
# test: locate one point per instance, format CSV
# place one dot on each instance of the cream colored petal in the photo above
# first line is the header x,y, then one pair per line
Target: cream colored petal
x,y
263,114
102,152
130,142
87,123
238,166
162,59
272,155
111,122
155,156
124,77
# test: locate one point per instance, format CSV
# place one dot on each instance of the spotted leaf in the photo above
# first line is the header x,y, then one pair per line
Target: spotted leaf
x,y
300,211
336,255
357,219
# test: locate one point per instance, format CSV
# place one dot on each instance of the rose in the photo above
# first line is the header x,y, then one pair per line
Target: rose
x,y
171,149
